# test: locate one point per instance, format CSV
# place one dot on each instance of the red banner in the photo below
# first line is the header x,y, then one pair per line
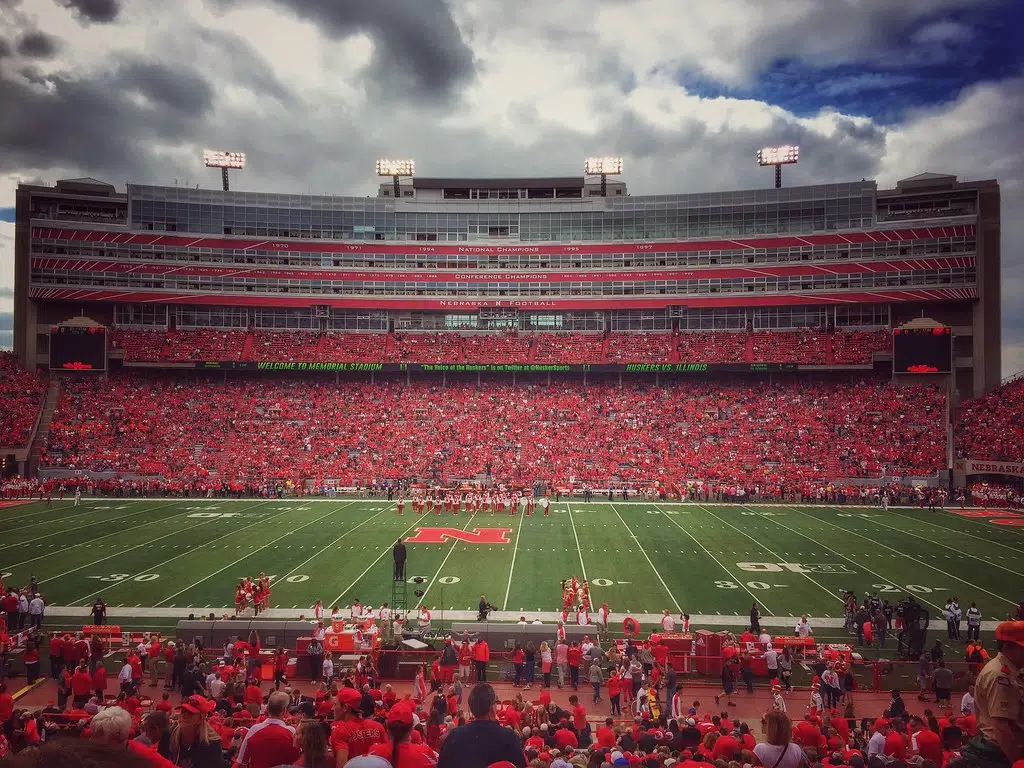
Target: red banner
x,y
456,276
320,246
386,303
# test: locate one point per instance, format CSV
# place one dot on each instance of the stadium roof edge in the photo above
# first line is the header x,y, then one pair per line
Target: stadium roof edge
x,y
422,182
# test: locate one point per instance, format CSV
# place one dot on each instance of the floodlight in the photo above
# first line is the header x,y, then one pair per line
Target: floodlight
x,y
784,155
396,167
603,166
217,158
778,156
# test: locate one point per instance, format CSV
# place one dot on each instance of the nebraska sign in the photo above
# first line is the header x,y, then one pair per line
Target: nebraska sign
x,y
446,535
975,467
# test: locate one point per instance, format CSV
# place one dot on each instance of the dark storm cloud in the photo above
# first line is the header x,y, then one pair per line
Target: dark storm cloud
x,y
5,49
243,63
419,52
38,45
105,123
97,11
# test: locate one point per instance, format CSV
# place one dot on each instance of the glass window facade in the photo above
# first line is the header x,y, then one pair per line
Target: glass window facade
x,y
751,212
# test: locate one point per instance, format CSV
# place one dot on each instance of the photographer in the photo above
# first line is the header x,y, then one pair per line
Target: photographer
x,y
484,609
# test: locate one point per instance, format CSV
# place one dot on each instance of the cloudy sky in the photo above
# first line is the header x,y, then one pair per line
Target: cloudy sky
x,y
685,90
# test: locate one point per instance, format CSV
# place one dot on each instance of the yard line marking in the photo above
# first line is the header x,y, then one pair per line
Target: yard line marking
x,y
648,559
578,550
337,600
441,568
1012,548
848,559
820,586
735,579
80,512
247,554
512,567
910,557
87,525
873,521
150,568
87,541
346,533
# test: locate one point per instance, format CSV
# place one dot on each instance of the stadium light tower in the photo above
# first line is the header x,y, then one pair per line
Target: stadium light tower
x,y
218,158
396,169
778,156
603,167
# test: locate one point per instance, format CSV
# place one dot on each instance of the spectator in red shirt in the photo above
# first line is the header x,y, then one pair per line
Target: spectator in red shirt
x,y
606,734
351,735
81,686
400,751
270,743
575,656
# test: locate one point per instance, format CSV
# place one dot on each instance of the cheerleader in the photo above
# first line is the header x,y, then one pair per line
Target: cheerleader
x,y
401,504
239,599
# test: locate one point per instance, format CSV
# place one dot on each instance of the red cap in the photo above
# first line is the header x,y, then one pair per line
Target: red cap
x,y
400,714
881,723
198,705
350,697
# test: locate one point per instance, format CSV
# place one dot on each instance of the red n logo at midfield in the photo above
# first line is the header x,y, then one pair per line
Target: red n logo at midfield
x,y
476,536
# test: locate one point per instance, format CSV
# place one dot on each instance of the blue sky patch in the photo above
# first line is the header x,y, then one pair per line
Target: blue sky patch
x,y
6,214
926,65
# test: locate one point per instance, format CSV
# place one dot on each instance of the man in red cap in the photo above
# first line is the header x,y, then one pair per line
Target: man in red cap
x,y
351,735
999,701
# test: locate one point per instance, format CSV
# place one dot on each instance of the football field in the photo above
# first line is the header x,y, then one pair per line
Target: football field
x,y
173,557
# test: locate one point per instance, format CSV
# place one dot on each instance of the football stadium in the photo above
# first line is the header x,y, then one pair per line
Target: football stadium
x,y
502,413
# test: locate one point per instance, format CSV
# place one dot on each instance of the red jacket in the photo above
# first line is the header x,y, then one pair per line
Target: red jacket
x,y
81,683
481,652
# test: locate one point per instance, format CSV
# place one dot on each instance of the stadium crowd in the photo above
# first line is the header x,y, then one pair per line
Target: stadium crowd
x,y
228,714
21,393
246,430
805,347
990,427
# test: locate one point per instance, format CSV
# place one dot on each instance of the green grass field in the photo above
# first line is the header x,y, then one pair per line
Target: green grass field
x,y
169,557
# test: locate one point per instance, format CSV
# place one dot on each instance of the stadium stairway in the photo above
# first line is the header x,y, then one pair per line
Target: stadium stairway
x,y
247,346
43,427
748,349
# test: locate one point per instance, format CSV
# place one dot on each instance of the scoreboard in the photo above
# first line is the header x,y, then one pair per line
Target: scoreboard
x,y
922,350
78,348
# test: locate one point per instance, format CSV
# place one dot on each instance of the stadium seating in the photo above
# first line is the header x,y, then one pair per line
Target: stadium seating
x,y
248,430
21,393
991,427
424,348
801,347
